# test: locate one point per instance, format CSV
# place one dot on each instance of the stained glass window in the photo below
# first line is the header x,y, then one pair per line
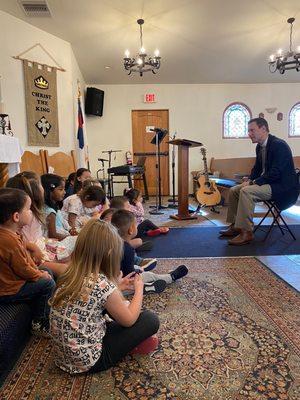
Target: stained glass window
x,y
235,121
294,121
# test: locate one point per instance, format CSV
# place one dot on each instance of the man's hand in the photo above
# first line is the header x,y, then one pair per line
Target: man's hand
x,y
246,183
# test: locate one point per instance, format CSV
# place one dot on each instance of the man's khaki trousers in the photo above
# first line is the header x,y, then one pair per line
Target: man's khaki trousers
x,y
242,201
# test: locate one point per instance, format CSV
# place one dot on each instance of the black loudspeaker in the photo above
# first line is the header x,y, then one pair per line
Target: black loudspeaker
x,y
94,101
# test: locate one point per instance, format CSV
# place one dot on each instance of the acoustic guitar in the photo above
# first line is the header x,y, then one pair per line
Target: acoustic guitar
x,y
208,193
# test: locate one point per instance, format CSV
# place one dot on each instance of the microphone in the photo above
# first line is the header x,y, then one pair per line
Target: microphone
x,y
102,159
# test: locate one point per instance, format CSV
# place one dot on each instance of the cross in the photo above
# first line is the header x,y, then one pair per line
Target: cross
x,y
44,125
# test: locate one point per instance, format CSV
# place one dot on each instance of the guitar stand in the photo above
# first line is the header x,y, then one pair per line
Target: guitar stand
x,y
212,209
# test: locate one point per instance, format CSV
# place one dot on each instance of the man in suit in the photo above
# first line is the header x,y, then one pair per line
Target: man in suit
x,y
272,177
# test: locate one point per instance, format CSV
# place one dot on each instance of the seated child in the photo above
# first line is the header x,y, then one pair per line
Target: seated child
x,y
81,175
20,279
125,221
70,184
122,203
85,184
78,209
33,232
145,226
54,191
107,214
83,340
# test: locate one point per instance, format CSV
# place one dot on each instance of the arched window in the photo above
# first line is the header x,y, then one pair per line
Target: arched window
x,y
235,121
294,121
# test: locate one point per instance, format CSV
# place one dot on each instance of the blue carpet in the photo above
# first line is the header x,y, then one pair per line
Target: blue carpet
x,y
205,242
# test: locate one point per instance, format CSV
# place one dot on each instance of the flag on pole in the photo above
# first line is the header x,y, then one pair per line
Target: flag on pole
x,y
80,135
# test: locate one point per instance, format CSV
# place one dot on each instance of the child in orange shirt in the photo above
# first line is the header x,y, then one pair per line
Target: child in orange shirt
x,y
20,279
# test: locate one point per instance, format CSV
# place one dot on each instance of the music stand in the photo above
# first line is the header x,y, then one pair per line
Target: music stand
x,y
159,136
183,177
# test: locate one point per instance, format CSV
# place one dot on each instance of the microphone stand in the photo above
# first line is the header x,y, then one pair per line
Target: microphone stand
x,y
157,189
102,169
173,203
110,188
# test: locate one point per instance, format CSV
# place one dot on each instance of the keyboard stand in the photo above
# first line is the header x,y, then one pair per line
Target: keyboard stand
x,y
130,178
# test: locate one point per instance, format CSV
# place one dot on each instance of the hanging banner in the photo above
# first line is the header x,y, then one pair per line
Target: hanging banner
x,y
41,104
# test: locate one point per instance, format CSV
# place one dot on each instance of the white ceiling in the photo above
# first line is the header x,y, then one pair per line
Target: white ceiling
x,y
200,41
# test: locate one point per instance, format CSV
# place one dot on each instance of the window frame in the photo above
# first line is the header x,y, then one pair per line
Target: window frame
x,y
289,118
223,120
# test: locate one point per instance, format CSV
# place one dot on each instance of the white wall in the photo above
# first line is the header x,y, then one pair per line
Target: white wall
x,y
17,36
195,112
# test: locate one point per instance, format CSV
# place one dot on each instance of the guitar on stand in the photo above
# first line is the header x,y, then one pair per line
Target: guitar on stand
x,y
207,193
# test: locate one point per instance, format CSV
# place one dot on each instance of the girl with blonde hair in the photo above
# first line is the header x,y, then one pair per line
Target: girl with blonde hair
x,y
83,339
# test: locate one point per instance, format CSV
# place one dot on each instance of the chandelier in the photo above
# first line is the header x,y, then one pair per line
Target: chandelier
x,y
141,62
289,60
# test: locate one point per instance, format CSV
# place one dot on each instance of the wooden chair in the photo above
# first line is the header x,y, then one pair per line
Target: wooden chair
x,y
62,163
33,162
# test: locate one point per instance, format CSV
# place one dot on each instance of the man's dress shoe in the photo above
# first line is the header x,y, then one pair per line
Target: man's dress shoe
x,y
230,231
244,237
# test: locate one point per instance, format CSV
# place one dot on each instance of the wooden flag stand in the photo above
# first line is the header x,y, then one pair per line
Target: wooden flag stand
x,y
183,177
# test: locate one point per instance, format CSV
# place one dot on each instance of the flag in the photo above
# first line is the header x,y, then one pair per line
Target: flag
x,y
80,135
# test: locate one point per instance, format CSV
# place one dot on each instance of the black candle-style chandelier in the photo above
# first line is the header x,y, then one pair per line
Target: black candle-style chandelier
x,y
141,63
290,60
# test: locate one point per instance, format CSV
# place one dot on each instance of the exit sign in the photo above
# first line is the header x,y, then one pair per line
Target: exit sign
x,y
149,98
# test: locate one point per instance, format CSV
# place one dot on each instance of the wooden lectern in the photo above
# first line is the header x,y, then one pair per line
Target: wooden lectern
x,y
183,177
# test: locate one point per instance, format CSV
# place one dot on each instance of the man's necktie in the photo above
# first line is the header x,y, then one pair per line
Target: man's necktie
x,y
263,158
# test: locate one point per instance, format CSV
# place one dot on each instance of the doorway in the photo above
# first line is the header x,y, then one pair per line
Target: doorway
x,y
142,122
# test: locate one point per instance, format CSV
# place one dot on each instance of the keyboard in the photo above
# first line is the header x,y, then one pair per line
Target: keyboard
x,y
126,169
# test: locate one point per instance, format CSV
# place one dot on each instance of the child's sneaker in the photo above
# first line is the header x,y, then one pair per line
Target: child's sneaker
x,y
158,231
179,272
40,329
148,264
155,287
153,232
147,346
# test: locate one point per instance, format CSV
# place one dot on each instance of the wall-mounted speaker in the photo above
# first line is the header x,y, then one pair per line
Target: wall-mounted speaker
x,y
94,101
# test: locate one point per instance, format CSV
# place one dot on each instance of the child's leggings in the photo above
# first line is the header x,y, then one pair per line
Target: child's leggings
x,y
119,341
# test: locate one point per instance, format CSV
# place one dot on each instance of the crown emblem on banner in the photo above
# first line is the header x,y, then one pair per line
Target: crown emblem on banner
x,y
41,83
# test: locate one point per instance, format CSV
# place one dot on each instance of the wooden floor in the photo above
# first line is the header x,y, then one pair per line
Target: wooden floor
x,y
286,267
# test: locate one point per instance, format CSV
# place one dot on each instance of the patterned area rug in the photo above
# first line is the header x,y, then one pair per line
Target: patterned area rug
x,y
230,330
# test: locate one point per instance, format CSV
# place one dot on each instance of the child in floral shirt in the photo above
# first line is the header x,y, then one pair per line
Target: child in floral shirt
x,y
83,339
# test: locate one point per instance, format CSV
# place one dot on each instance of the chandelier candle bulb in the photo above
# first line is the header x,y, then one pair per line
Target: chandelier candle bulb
x,y
127,54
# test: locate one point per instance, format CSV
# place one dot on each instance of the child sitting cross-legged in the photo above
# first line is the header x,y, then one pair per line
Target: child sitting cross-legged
x,y
83,339
125,221
20,279
122,203
145,226
54,191
145,264
79,208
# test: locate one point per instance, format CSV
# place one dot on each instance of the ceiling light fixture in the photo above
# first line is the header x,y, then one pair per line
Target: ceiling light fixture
x,y
141,62
290,60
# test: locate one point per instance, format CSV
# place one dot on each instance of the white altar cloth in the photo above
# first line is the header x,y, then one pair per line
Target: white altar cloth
x,y
10,153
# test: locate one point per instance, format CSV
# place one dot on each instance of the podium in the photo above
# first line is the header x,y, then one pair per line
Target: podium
x,y
183,177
